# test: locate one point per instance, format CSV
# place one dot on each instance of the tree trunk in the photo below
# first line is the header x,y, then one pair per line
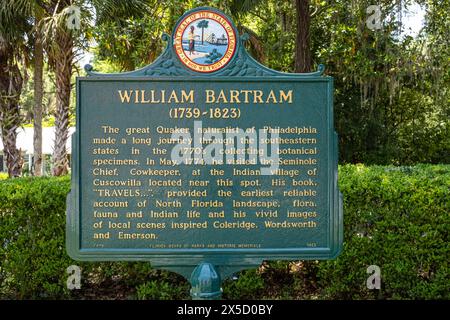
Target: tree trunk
x,y
302,45
62,61
37,112
10,122
14,159
203,30
10,88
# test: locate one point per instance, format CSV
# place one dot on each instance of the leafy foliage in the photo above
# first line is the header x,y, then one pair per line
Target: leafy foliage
x,y
392,97
399,219
394,217
162,290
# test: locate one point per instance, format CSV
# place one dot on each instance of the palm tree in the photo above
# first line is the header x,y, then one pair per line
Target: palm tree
x,y
60,42
13,28
203,24
31,11
238,10
11,81
38,93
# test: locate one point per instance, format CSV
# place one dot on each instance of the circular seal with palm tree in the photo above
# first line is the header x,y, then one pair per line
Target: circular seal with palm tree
x,y
205,41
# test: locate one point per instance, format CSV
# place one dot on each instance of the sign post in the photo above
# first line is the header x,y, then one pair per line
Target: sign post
x,y
204,162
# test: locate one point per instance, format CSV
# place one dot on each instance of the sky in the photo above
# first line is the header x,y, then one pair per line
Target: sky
x,y
413,19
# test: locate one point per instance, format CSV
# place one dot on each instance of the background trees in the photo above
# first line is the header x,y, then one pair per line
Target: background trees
x,y
386,111
60,44
391,90
11,81
49,30
13,60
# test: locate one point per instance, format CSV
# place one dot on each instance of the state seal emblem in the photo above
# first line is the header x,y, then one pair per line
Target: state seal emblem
x,y
205,41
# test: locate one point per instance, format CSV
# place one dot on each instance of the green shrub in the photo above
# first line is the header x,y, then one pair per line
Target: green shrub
x,y
32,252
33,259
3,176
248,284
162,290
397,218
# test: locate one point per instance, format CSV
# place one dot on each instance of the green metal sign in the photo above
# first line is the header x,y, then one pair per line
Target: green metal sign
x,y
204,162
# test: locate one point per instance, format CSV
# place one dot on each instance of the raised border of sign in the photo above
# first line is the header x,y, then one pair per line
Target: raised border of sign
x,y
227,261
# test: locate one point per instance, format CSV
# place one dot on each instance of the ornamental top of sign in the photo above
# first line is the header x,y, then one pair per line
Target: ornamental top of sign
x,y
205,42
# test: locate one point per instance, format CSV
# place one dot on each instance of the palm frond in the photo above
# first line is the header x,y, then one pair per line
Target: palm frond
x,y
115,9
240,7
14,7
254,42
15,20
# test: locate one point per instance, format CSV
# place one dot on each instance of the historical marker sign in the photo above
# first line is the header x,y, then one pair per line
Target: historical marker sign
x,y
204,156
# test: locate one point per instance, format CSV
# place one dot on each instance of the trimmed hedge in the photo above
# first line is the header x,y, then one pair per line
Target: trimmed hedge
x,y
395,217
398,219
